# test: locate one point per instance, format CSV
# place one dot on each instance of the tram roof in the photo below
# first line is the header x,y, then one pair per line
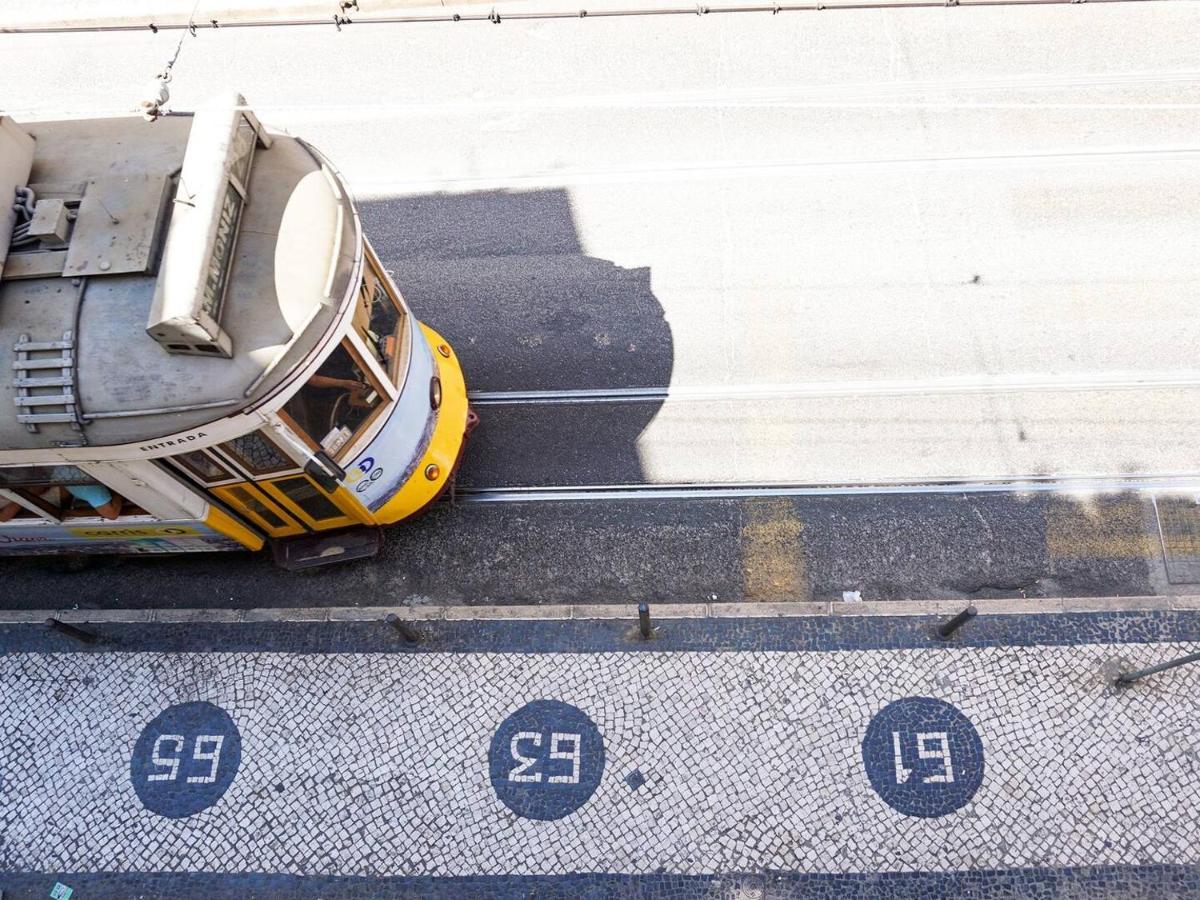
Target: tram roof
x,y
80,306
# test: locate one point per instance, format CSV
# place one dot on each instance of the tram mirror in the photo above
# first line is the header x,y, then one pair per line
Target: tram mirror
x,y
314,470
330,466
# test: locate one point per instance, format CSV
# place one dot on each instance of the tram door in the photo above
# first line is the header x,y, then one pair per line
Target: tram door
x,y
254,476
221,479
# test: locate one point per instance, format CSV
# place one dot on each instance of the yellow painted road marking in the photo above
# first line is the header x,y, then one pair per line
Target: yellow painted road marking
x,y
773,565
1106,529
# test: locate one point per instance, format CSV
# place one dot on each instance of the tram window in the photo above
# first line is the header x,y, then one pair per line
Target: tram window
x,y
305,495
337,402
10,510
41,487
62,492
257,507
96,500
25,476
203,466
258,454
377,319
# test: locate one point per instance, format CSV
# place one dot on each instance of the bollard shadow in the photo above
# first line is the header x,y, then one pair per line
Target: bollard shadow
x,y
505,278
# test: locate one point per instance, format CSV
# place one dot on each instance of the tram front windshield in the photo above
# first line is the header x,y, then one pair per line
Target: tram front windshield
x,y
335,402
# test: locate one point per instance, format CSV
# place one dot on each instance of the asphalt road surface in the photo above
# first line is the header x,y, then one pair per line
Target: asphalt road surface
x,y
857,248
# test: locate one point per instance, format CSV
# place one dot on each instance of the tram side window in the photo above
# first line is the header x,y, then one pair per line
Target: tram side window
x,y
59,492
259,454
203,466
336,403
378,320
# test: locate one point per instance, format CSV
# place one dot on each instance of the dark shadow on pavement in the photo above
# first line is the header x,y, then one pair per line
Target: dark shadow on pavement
x,y
504,277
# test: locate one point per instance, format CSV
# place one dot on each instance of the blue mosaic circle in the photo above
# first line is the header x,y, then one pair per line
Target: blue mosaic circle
x,y
185,759
923,756
546,760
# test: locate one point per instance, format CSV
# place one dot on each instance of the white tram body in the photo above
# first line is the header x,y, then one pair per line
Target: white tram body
x,y
199,349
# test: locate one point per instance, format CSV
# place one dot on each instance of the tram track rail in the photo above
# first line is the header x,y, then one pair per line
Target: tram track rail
x,y
826,389
1166,483
1176,482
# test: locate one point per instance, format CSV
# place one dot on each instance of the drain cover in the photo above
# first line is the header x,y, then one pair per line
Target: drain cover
x,y
1179,530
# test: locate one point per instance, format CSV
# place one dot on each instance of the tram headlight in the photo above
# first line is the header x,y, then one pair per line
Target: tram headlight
x,y
435,392
432,471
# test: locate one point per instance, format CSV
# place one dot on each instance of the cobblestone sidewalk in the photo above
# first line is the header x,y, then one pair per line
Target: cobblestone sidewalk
x,y
1011,770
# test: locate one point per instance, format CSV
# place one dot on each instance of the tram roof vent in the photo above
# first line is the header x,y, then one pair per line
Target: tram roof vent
x,y
192,278
16,162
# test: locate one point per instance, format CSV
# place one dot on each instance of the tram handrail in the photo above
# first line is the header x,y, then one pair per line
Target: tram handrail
x,y
128,413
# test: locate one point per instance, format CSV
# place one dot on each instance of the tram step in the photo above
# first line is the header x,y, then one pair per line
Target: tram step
x,y
313,550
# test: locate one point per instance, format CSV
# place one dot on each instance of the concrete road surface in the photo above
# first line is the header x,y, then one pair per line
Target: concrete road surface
x,y
854,246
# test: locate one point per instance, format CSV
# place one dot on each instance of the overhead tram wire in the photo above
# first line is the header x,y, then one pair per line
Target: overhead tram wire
x,y
496,16
160,94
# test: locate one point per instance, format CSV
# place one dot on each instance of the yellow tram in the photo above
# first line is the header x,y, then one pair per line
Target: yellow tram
x,y
199,349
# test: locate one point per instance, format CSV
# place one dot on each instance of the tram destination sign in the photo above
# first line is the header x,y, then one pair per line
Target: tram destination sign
x,y
216,275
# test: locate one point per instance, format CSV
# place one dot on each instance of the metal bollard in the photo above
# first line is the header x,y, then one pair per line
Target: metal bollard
x,y
1127,678
409,633
644,628
946,629
71,631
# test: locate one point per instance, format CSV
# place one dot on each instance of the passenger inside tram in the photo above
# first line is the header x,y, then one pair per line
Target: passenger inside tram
x,y
98,497
74,496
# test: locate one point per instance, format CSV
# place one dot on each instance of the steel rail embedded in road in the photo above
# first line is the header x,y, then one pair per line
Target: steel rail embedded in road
x,y
1189,483
823,389
496,17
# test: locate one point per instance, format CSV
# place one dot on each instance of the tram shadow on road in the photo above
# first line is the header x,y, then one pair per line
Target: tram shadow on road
x,y
505,277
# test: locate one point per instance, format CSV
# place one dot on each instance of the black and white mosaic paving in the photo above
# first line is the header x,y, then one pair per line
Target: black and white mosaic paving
x,y
677,763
